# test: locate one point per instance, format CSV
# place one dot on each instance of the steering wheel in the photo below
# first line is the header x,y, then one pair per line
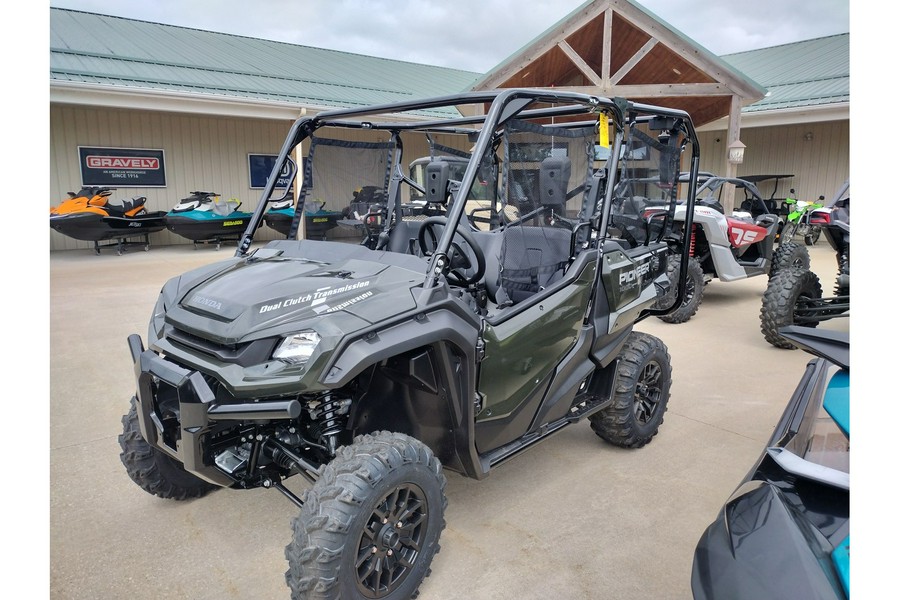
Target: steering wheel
x,y
459,261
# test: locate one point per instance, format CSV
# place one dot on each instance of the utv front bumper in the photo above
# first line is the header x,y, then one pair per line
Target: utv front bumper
x,y
177,411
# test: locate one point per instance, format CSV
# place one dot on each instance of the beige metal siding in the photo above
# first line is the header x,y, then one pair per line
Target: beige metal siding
x,y
819,165
201,153
210,153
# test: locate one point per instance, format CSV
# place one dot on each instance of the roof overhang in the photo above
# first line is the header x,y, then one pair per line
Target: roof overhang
x,y
133,98
785,116
618,48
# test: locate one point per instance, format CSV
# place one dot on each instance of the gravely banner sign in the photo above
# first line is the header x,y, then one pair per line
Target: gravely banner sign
x,y
122,167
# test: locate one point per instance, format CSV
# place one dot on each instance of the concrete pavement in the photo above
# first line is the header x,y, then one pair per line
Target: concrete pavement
x,y
574,518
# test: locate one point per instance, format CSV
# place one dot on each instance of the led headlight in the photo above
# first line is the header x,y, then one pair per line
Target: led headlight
x,y
158,318
296,349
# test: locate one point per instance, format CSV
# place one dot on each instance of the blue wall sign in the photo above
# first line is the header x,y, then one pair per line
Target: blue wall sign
x,y
261,166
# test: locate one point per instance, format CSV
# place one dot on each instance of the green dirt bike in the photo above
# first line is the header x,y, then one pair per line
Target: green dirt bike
x,y
798,223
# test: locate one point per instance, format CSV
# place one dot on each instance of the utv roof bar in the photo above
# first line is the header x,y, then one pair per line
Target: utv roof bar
x,y
451,124
394,109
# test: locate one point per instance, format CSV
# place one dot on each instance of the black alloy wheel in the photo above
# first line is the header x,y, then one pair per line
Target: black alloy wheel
x,y
647,393
391,541
371,524
640,395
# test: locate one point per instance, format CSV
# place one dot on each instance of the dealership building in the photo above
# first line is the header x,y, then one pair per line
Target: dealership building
x,y
160,111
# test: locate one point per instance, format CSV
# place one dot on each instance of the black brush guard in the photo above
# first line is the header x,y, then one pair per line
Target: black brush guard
x,y
164,389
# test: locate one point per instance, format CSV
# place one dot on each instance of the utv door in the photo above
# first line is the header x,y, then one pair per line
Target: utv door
x,y
524,347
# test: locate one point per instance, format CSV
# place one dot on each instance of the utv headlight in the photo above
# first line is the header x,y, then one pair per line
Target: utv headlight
x,y
158,318
296,349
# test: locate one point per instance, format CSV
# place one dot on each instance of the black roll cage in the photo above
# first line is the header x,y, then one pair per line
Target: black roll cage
x,y
504,105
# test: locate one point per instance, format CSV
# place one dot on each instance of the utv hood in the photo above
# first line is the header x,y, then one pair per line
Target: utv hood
x,y
287,286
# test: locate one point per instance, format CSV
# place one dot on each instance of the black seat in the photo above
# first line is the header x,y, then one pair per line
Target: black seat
x,y
404,236
531,258
524,259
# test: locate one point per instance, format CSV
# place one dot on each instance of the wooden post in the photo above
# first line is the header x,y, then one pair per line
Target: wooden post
x,y
734,134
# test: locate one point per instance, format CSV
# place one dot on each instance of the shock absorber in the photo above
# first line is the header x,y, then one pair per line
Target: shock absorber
x,y
329,418
693,242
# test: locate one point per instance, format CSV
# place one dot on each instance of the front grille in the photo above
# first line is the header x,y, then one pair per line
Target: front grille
x,y
244,354
194,342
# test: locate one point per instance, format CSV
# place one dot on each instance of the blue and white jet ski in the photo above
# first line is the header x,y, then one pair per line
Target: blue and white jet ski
x,y
318,220
204,217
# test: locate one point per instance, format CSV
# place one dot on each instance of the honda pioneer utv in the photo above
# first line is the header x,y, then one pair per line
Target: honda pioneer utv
x,y
369,368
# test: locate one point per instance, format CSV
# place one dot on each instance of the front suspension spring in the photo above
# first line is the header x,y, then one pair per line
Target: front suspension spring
x,y
333,415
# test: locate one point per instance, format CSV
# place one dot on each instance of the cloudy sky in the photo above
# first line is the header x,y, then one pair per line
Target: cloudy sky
x,y
472,35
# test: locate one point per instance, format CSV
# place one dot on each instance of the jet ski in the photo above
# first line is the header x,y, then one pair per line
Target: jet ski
x,y
204,217
88,215
318,220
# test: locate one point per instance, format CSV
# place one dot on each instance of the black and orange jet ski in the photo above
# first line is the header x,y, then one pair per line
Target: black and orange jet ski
x,y
88,215
204,217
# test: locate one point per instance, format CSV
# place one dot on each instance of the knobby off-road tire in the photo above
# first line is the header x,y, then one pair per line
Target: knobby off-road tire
x,y
842,281
780,301
789,255
370,525
155,472
693,291
641,393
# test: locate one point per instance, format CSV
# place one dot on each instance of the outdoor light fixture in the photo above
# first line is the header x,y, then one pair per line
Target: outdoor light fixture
x,y
736,152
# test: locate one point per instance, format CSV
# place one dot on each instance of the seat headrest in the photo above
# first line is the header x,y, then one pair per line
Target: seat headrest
x,y
437,181
553,179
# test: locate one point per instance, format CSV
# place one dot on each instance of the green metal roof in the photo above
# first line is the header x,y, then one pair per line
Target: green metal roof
x,y
91,48
98,49
799,75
